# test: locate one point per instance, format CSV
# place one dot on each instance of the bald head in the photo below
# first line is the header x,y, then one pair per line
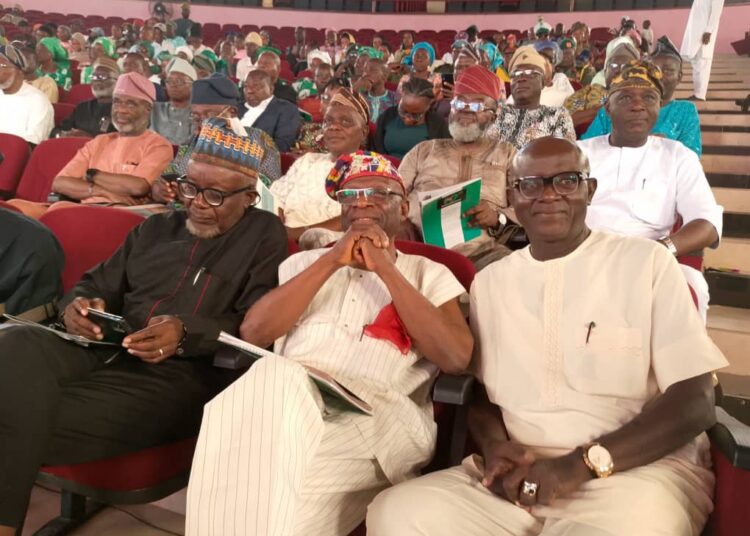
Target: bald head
x,y
548,156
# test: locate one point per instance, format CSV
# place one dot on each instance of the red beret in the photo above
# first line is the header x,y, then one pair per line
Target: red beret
x,y
478,80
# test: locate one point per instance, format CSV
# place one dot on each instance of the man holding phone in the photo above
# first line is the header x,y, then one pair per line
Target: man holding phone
x,y
372,87
178,279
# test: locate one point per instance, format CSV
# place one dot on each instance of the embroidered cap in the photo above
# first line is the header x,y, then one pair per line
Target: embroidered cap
x,y
361,164
638,73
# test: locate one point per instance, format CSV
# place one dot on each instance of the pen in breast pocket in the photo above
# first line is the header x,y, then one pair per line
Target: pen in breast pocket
x,y
643,184
592,325
198,274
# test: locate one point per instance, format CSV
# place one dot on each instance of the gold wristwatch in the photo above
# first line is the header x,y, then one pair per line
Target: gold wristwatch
x,y
598,460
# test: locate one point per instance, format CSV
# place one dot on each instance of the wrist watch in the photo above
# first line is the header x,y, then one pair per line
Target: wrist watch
x,y
502,220
90,174
667,243
598,460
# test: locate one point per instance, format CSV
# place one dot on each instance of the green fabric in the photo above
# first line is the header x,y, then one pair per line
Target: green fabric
x,y
399,138
59,54
276,51
305,88
149,48
62,77
371,52
107,44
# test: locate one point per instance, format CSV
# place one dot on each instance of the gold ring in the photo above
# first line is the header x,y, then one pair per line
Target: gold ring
x,y
161,352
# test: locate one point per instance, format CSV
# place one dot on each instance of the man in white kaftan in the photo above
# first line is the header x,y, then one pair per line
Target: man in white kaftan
x,y
699,41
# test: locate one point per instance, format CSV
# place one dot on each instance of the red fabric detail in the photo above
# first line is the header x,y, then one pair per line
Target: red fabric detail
x,y
179,283
131,472
292,247
78,93
46,161
62,110
731,516
694,261
312,105
88,235
16,152
387,326
203,293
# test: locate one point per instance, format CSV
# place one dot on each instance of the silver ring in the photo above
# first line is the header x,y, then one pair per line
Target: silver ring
x,y
529,488
161,352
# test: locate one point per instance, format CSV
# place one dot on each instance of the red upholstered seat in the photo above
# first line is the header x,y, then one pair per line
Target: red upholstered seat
x,y
287,159
88,236
47,160
15,153
63,110
78,93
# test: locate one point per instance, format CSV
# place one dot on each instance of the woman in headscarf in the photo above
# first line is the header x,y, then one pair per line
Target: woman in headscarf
x,y
310,138
585,103
64,35
53,62
678,119
492,58
102,46
421,59
78,50
560,88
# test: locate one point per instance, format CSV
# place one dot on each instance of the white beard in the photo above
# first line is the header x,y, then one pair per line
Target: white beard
x,y
466,134
206,233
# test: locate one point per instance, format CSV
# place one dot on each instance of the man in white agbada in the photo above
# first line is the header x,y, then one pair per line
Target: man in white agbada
x,y
597,373
277,457
699,41
647,183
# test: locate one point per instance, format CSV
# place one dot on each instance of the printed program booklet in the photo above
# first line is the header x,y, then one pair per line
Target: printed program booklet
x,y
443,221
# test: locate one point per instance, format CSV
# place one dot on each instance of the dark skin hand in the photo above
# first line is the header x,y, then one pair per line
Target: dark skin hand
x,y
706,38
483,215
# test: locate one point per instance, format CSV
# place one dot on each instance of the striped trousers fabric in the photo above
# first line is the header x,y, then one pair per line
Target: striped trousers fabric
x,y
273,460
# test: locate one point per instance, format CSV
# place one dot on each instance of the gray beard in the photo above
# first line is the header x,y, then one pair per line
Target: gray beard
x,y
466,134
207,233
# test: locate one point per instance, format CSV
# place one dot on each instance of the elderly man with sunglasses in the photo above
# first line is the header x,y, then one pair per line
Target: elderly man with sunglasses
x,y
596,373
178,280
278,457
436,164
526,119
647,183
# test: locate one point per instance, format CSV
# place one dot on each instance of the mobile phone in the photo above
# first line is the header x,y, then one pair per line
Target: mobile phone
x,y
447,78
171,177
114,327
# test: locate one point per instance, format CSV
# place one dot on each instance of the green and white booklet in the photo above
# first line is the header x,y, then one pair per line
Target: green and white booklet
x,y
267,201
443,221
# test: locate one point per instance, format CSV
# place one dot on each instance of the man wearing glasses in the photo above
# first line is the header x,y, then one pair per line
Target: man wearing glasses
x,y
26,112
437,164
596,373
526,119
172,119
287,459
114,169
178,280
93,117
647,183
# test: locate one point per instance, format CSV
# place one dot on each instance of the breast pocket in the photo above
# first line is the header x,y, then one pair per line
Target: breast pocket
x,y
608,361
651,203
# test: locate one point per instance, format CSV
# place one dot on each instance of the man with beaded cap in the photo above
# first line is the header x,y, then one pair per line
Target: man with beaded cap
x,y
276,456
178,280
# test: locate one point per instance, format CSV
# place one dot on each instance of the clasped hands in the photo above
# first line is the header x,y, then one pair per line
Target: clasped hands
x,y
364,246
512,472
153,344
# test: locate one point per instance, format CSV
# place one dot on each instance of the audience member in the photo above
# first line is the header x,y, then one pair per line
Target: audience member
x,y
172,119
647,182
304,204
117,168
278,118
195,39
527,119
437,164
270,62
699,41
405,50
412,121
324,464
26,112
558,87
184,24
311,100
93,117
372,87
584,104
53,62
31,263
252,43
647,34
297,53
78,49
102,46
310,137
593,364
135,63
64,403
331,46
678,119
421,59
204,64
31,75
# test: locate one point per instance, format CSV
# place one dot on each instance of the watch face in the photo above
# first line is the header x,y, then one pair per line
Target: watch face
x,y
600,458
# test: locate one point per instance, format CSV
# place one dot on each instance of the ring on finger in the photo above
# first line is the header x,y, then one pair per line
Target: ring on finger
x,y
161,352
529,488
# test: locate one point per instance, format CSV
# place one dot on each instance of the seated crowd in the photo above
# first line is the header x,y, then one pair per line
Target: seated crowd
x,y
594,363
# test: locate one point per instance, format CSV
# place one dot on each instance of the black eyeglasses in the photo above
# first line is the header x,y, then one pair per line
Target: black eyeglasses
x,y
212,196
563,183
410,115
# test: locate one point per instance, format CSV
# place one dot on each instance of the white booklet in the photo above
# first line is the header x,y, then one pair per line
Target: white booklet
x,y
323,380
443,221
267,201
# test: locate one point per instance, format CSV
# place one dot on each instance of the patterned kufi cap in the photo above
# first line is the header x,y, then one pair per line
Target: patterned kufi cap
x,y
638,73
354,100
361,164
218,145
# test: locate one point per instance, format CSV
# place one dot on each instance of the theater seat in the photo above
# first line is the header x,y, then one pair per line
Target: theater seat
x,y
287,159
47,160
78,93
14,153
62,110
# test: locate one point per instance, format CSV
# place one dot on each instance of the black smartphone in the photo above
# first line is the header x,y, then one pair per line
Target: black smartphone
x,y
114,327
171,177
447,79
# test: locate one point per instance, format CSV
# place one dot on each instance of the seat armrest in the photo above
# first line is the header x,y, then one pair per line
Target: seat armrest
x,y
732,438
232,359
453,389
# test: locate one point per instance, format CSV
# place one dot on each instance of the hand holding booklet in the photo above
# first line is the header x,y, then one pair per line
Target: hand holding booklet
x,y
443,220
325,382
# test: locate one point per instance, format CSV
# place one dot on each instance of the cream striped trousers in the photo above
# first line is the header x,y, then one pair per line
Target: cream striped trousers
x,y
272,460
